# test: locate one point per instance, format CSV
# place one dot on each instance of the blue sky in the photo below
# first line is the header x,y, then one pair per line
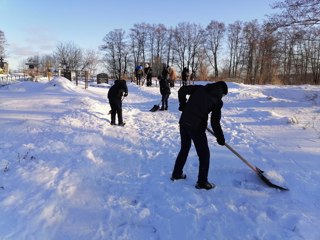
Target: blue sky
x,y
35,27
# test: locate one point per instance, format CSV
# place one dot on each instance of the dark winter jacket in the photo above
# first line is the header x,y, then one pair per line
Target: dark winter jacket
x,y
117,90
165,73
202,101
148,72
164,86
185,74
139,71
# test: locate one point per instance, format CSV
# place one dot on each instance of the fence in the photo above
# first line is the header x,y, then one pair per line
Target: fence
x,y
8,79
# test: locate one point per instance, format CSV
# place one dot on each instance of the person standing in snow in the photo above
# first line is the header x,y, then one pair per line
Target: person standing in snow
x,y
193,123
185,76
118,90
164,88
172,76
148,73
165,72
165,93
139,73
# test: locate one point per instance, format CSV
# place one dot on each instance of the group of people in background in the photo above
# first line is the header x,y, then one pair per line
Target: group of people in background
x,y
143,73
166,79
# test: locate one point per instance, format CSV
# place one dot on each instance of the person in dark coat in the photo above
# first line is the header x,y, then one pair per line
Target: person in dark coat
x,y
193,123
164,87
185,76
148,73
165,93
118,90
165,72
139,73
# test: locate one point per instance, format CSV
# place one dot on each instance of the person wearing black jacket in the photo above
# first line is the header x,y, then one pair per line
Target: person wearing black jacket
x,y
165,93
148,72
185,76
115,94
164,87
193,123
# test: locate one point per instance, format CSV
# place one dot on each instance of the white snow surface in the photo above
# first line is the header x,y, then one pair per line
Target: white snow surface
x,y
66,173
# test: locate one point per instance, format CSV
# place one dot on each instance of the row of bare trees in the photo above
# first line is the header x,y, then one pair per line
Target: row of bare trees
x,y
66,56
2,44
284,49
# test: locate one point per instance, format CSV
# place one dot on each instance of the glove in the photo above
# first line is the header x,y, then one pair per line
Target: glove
x,y
221,141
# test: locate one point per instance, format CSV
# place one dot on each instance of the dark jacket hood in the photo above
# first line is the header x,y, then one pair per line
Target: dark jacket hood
x,y
218,89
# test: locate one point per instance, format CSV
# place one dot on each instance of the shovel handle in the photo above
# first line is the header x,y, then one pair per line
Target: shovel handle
x,y
236,153
242,158
258,171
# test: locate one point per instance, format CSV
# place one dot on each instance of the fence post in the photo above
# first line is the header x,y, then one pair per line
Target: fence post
x,y
86,78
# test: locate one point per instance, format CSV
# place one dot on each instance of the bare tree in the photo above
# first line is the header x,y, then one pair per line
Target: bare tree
x,y
296,13
151,42
189,39
204,66
90,60
170,46
314,47
182,44
234,36
116,50
138,35
298,27
3,43
251,33
214,35
268,55
160,36
45,64
276,51
286,47
68,54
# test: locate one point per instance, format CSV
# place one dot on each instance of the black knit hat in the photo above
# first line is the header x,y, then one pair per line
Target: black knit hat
x,y
223,86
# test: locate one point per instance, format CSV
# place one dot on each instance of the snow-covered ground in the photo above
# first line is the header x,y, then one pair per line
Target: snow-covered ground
x,y
65,173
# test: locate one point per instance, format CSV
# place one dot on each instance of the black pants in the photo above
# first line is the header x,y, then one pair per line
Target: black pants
x,y
200,142
164,101
116,109
138,79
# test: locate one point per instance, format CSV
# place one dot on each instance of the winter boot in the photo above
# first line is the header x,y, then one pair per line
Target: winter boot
x,y
182,176
205,185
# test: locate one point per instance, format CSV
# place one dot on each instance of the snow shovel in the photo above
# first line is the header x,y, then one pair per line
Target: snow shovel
x,y
257,170
155,107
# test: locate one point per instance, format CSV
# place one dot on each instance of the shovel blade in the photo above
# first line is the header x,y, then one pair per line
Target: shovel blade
x,y
155,108
268,182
